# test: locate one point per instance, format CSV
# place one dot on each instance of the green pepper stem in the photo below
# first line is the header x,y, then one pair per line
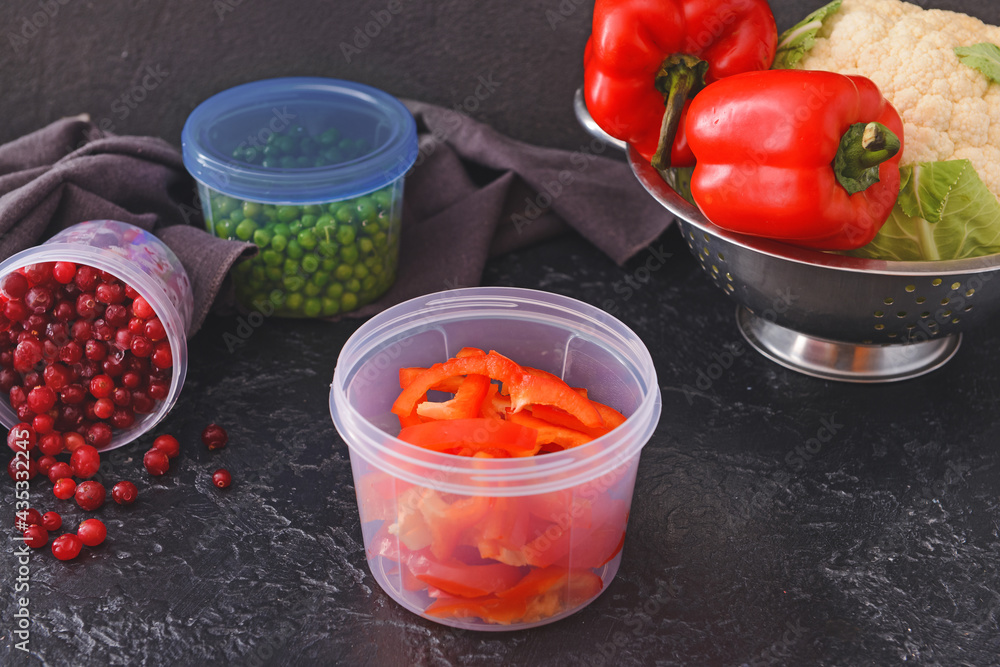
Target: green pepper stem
x,y
862,149
679,78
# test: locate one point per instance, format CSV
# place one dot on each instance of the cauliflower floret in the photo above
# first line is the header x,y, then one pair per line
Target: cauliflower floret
x,y
950,110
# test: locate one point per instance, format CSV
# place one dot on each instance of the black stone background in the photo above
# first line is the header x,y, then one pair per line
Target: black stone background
x,y
880,548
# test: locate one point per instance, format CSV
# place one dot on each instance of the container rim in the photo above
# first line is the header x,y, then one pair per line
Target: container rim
x,y
117,265
500,477
385,163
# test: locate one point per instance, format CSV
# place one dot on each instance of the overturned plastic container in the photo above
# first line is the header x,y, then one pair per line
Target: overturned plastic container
x,y
311,170
141,261
494,544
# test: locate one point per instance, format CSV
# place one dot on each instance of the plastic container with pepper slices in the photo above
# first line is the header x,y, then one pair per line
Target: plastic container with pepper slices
x,y
494,543
311,170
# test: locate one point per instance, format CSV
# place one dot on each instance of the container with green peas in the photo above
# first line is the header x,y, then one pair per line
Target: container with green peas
x,y
311,171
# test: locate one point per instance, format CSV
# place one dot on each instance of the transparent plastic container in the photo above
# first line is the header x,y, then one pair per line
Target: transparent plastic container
x,y
140,260
557,517
311,170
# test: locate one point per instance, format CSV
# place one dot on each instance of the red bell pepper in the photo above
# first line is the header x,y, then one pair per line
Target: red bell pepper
x,y
645,58
476,434
807,157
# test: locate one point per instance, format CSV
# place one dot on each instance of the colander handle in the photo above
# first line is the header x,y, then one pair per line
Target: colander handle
x,y
590,125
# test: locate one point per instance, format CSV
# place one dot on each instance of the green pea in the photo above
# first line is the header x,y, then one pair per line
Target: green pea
x,y
251,209
324,221
293,283
320,278
237,215
380,240
360,271
261,237
291,267
366,246
343,214
294,250
345,235
327,248
239,153
329,137
349,253
224,229
273,274
269,163
224,205
308,221
272,151
287,162
307,239
288,213
312,209
277,297
310,263
366,209
343,272
295,226
281,229
293,302
271,258
312,290
368,283
272,139
334,290
308,146
330,306
352,285
333,155
286,144
279,242
328,264
245,230
312,307
383,199
348,301
270,213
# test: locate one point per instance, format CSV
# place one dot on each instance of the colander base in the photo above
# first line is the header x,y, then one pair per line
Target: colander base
x,y
842,361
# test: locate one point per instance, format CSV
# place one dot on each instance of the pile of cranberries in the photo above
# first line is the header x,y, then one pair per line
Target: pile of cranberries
x,y
84,462
80,351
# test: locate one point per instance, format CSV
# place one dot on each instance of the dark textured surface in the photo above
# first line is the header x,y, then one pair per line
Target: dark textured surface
x,y
881,546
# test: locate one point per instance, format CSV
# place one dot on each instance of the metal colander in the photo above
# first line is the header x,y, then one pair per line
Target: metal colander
x,y
836,317
827,315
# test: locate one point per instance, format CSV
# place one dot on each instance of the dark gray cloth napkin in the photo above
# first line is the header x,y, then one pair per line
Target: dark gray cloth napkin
x,y
472,194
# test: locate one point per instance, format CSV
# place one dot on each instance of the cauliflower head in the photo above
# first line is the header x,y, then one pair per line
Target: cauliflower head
x,y
950,111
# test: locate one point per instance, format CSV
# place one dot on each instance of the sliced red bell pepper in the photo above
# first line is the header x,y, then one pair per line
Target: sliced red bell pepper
x,y
448,385
806,157
549,433
612,418
466,404
474,434
448,521
524,388
490,609
457,578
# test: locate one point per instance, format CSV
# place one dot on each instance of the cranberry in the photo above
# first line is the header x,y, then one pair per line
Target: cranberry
x,y
67,546
116,315
113,367
24,413
154,330
141,347
81,331
45,463
137,325
58,375
18,396
130,293
64,311
86,278
92,532
51,521
27,517
141,308
89,495
27,353
21,438
15,311
72,394
86,306
124,493
169,445
99,435
38,273
32,379
73,441
8,378
221,478
64,272
123,338
131,379
214,436
85,461
122,417
103,408
18,466
41,399
156,462
111,293
142,403
65,488
162,357
101,386
51,444
59,470
43,424
36,537
103,330
95,350
158,389
14,286
121,397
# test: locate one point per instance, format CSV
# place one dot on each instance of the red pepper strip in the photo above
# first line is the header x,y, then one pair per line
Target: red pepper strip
x,y
636,75
504,532
379,492
457,578
475,434
466,404
585,540
549,433
829,182
612,418
447,522
523,387
490,609
448,385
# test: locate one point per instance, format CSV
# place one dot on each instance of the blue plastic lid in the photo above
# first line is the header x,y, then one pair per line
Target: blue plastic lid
x,y
373,140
